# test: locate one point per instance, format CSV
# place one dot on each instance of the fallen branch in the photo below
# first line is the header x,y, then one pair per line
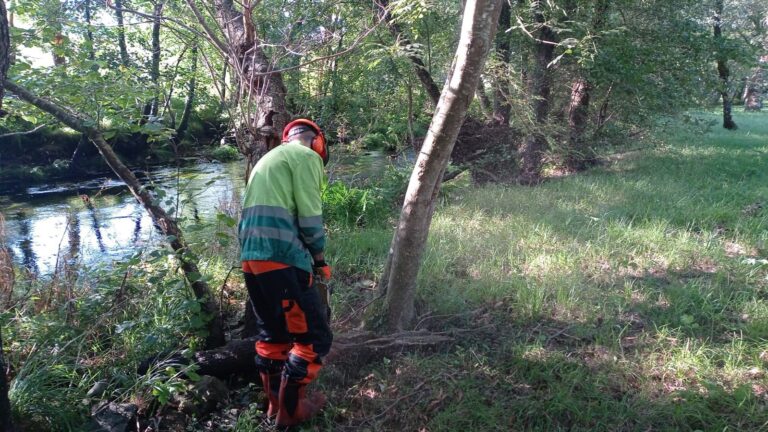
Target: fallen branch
x,y
355,348
12,134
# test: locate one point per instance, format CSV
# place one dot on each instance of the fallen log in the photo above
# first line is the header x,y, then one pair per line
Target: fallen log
x,y
354,348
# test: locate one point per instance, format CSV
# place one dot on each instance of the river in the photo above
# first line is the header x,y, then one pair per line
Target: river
x,y
97,221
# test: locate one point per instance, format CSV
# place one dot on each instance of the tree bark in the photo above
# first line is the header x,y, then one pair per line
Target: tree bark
x,y
532,149
478,29
578,111
262,92
124,59
579,156
167,224
486,105
190,101
5,51
6,419
753,95
88,31
154,72
501,105
722,67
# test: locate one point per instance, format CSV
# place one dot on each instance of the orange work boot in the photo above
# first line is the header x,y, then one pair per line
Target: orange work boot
x,y
271,383
295,405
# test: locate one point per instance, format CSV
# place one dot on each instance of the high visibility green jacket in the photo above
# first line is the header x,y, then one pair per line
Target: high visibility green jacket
x,y
282,216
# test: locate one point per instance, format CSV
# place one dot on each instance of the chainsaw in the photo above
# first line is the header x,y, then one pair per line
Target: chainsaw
x,y
325,290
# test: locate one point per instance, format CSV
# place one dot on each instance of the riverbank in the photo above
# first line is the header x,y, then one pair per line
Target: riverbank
x,y
53,155
628,297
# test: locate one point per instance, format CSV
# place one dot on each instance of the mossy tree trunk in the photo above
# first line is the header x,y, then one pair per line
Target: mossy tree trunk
x,y
399,281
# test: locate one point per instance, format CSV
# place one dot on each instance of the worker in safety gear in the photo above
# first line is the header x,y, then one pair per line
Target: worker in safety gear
x,y
282,242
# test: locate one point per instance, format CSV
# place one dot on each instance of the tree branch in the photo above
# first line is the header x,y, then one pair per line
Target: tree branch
x,y
12,134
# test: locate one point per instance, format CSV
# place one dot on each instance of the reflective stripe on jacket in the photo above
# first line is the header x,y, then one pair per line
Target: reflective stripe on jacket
x,y
282,217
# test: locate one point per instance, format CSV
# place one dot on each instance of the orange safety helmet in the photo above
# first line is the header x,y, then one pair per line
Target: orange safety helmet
x,y
318,143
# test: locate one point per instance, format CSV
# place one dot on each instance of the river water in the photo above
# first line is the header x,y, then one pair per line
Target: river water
x,y
97,221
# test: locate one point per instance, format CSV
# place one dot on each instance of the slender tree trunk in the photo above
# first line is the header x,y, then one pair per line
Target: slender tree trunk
x,y
409,241
5,51
433,91
578,112
6,419
167,224
190,101
722,67
532,149
579,156
753,95
486,105
154,72
124,59
89,31
501,106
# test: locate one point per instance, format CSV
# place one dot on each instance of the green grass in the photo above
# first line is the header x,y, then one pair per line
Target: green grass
x,y
629,297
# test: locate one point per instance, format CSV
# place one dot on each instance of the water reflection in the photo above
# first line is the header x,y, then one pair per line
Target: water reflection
x,y
99,220
48,224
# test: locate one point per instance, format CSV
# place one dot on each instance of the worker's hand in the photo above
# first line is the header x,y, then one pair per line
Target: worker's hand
x,y
322,270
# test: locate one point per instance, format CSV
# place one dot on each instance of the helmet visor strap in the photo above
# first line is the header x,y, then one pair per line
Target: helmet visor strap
x,y
298,130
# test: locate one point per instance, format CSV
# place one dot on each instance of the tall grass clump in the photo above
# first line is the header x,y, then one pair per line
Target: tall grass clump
x,y
109,321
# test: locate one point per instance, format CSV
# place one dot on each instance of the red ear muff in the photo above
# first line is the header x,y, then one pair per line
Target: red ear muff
x,y
319,144
320,147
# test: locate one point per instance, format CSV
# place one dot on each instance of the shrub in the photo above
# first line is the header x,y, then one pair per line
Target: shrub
x,y
225,153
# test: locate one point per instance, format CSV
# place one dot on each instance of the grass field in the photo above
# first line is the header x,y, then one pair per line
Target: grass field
x,y
632,297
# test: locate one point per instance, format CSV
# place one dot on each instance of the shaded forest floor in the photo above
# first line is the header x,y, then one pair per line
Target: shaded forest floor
x,y
630,297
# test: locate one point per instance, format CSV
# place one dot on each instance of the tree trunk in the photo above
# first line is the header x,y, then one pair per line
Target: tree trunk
x,y
162,219
478,29
154,72
579,156
722,67
433,91
753,95
91,49
124,59
501,105
486,105
5,51
6,420
261,90
190,101
578,111
532,149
